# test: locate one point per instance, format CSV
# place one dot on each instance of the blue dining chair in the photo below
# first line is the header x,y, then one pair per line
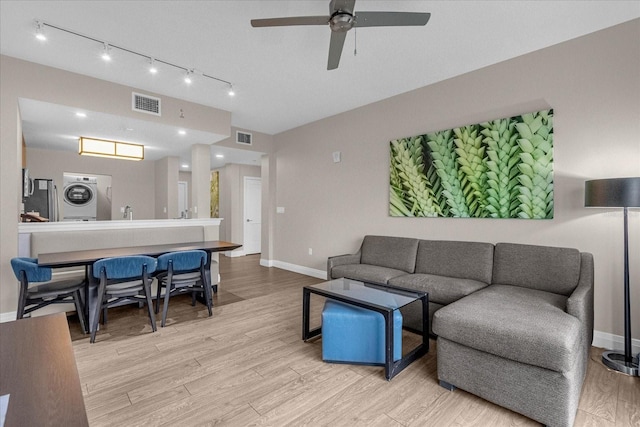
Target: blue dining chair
x,y
182,272
124,279
43,291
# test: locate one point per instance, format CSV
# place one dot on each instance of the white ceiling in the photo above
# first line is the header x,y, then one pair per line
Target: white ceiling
x,y
279,74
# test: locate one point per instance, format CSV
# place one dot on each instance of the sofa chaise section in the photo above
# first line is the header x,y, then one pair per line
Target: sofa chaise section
x,y
523,342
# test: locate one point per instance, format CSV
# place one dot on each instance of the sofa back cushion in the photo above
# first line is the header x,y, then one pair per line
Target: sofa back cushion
x,y
464,260
391,252
544,268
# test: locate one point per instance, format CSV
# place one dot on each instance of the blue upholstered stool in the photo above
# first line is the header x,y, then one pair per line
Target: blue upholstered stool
x,y
352,334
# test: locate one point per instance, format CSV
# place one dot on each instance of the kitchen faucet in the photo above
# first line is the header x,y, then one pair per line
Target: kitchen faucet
x,y
128,213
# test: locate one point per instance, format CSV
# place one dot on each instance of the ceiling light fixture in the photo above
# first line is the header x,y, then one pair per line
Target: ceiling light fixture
x,y
152,66
231,92
106,55
185,165
111,149
220,156
81,114
153,60
182,132
187,77
39,33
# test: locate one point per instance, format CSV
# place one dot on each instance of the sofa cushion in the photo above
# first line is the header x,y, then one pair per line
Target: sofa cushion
x,y
442,290
366,273
465,260
392,252
521,324
544,268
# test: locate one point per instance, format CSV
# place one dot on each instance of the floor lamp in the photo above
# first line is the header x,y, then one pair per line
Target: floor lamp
x,y
618,193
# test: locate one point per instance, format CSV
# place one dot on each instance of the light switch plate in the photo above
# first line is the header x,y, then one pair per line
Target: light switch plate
x,y
280,209
337,157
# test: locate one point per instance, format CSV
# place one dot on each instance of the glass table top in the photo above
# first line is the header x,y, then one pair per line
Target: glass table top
x,y
368,293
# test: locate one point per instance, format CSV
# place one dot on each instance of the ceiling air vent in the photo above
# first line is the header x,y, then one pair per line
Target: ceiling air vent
x,y
243,138
145,104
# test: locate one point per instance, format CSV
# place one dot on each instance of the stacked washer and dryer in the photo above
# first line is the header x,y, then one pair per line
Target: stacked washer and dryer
x,y
80,198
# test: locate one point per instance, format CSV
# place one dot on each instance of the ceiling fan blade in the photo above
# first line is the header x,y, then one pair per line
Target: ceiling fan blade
x,y
343,5
294,20
335,49
390,19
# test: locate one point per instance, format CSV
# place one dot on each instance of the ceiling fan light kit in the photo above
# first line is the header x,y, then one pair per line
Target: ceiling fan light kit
x,y
342,18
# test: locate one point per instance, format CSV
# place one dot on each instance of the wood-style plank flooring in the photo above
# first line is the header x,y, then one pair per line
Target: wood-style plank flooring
x,y
247,365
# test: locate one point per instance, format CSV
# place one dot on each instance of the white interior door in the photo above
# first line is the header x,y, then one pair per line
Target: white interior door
x,y
252,215
183,198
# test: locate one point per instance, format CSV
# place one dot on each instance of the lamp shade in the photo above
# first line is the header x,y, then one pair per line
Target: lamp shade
x,y
612,193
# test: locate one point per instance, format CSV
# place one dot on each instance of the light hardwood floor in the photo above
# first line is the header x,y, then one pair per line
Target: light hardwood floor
x,y
247,365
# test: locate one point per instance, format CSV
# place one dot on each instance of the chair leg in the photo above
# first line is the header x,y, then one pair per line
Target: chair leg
x,y
208,296
22,298
98,306
167,295
80,310
159,288
147,294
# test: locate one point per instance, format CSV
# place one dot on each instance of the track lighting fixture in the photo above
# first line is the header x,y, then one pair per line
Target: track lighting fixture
x,y
152,66
106,55
39,33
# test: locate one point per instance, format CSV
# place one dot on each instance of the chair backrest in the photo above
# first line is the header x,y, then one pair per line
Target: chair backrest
x,y
182,260
124,267
32,271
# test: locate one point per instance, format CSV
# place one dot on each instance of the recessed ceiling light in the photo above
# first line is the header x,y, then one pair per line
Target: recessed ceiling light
x,y
185,165
220,156
182,132
81,114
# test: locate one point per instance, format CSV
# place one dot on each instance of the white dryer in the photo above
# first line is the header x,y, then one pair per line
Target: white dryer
x,y
80,198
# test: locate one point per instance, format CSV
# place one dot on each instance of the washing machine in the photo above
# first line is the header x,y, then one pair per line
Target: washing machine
x,y
80,198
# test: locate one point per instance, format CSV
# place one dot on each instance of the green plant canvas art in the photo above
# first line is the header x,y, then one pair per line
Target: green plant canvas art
x,y
497,169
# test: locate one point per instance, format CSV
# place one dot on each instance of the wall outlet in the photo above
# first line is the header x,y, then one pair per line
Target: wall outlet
x,y
310,251
195,209
121,209
164,209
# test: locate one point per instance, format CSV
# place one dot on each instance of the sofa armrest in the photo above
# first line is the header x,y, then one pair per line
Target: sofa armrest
x,y
341,260
580,302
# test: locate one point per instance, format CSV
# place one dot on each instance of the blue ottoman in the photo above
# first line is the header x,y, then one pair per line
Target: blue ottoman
x,y
352,334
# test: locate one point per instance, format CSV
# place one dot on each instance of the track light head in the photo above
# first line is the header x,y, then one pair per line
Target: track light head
x,y
39,32
106,53
187,77
152,66
231,92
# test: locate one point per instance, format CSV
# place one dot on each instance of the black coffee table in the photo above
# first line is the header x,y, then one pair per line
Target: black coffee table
x,y
383,299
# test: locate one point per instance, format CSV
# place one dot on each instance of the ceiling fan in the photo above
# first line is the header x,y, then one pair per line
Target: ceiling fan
x,y
341,19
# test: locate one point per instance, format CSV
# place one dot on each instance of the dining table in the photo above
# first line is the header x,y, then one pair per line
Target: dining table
x,y
86,259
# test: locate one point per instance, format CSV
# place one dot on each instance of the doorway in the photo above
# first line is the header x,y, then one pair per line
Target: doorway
x,y
183,199
252,215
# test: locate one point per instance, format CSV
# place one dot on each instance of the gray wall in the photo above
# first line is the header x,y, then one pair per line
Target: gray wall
x,y
593,85
232,200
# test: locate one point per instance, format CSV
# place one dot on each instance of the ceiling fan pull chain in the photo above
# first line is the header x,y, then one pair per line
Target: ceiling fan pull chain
x,y
355,40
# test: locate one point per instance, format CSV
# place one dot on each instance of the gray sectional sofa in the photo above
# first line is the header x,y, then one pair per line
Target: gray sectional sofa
x,y
514,323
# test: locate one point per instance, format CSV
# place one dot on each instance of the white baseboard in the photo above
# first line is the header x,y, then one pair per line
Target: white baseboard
x,y
8,317
234,253
614,342
307,271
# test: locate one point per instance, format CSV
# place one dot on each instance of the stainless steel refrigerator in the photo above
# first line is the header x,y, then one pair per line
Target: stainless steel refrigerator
x,y
43,198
